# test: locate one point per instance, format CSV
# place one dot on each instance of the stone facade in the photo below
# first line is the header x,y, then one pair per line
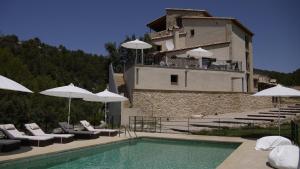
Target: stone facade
x,y
187,103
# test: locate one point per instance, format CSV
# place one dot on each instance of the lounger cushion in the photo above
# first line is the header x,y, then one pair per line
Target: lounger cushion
x,y
87,125
59,135
34,129
35,137
9,127
34,126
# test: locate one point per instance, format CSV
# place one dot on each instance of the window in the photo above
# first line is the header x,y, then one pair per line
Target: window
x,y
179,22
158,47
174,79
192,31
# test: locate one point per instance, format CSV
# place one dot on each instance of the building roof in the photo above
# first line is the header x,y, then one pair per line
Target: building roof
x,y
193,47
235,21
159,24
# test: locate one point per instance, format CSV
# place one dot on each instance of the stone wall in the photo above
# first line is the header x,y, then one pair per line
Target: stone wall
x,y
186,103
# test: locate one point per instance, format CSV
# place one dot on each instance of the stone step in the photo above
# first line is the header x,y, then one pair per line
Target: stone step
x,y
257,115
254,119
291,114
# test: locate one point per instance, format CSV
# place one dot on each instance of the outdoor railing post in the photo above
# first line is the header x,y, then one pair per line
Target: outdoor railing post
x,y
142,123
219,126
188,125
135,123
160,123
129,122
155,124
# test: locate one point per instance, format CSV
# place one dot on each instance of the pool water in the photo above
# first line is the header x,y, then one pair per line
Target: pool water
x,y
142,153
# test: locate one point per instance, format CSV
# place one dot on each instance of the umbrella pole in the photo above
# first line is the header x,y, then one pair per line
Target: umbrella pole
x,y
69,110
279,117
105,115
135,56
142,57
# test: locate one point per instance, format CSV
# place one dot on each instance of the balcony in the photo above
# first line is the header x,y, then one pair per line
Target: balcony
x,y
190,63
164,33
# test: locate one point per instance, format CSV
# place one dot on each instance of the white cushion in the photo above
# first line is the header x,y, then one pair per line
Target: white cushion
x,y
34,126
87,125
284,157
270,142
9,127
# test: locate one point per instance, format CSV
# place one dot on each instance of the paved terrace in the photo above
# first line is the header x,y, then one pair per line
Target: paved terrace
x,y
258,117
243,157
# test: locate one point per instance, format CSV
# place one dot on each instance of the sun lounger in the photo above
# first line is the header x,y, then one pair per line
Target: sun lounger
x,y
9,145
12,133
78,134
35,130
103,132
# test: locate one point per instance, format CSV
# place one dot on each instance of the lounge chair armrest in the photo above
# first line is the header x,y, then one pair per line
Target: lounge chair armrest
x,y
22,133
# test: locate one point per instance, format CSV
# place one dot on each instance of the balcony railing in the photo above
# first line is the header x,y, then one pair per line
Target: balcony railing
x,y
163,33
190,63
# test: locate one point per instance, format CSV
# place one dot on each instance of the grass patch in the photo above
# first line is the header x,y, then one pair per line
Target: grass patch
x,y
251,131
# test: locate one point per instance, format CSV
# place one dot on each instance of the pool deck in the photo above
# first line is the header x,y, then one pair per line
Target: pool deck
x,y
245,156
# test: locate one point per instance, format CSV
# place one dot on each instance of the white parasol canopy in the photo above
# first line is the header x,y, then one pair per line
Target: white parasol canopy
x,y
105,97
199,53
137,44
9,84
69,91
279,91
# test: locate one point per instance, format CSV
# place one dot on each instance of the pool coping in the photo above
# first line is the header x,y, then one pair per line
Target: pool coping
x,y
229,163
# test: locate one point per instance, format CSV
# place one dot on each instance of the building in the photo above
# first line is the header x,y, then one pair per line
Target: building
x,y
262,82
179,30
168,82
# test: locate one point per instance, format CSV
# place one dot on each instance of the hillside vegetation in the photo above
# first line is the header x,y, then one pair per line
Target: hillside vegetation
x,y
287,79
39,66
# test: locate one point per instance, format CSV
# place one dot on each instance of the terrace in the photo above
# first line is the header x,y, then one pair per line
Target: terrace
x,y
182,62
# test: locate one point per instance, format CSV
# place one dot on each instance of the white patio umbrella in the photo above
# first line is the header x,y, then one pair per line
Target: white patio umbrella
x,y
8,84
70,92
279,91
198,53
137,44
105,97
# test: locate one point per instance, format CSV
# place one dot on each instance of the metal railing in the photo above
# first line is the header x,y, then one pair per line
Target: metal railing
x,y
241,127
190,63
128,130
164,33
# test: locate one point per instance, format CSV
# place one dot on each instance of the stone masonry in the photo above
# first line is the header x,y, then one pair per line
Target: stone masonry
x,y
187,103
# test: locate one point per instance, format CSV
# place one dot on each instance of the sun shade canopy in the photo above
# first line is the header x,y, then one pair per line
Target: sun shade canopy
x,y
279,91
8,84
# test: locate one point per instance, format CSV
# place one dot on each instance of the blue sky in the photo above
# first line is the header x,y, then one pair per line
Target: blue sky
x,y
88,25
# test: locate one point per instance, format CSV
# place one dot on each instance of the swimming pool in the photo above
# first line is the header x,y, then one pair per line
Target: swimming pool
x,y
141,153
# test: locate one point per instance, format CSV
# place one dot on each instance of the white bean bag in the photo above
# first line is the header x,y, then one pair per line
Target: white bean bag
x,y
270,142
284,157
